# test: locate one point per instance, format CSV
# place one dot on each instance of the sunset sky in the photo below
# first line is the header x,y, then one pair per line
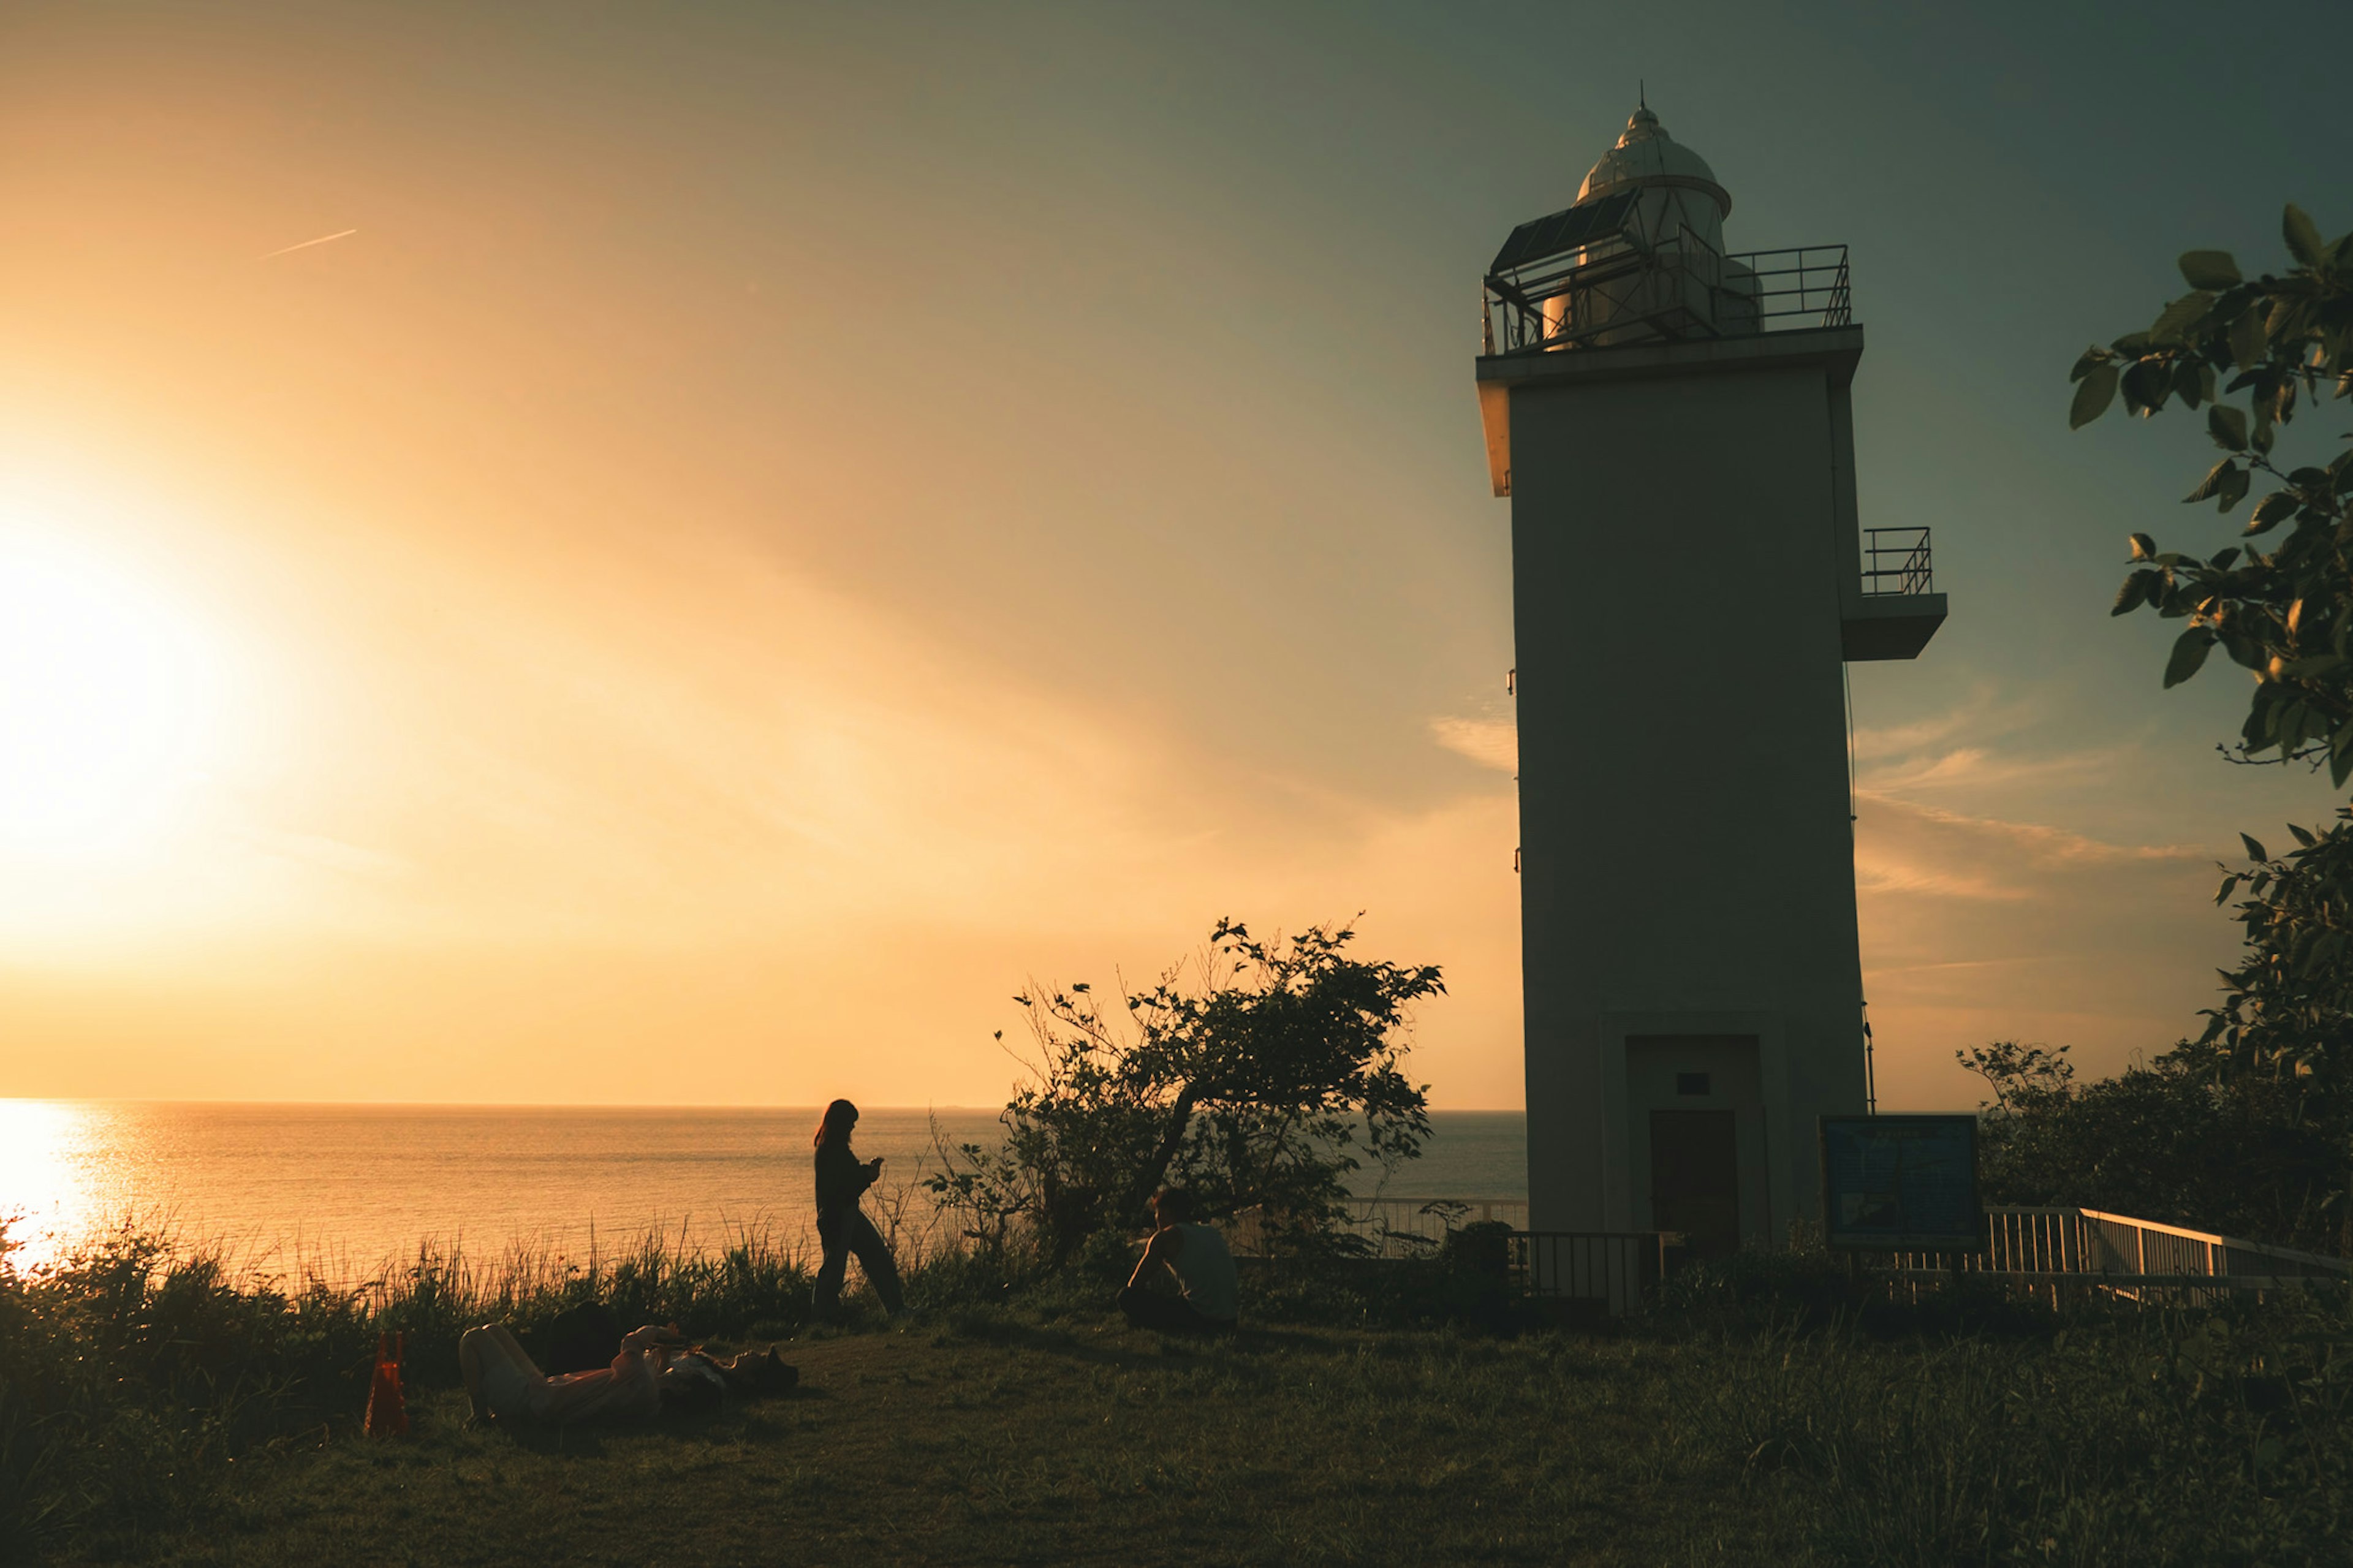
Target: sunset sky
x,y
773,524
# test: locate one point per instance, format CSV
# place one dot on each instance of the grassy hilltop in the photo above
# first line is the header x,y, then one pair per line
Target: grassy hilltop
x,y
152,1409
1011,1440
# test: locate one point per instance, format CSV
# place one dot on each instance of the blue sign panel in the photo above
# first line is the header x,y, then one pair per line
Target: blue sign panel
x,y
1902,1183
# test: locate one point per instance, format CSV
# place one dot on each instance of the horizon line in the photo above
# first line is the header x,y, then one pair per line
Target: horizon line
x,y
562,1105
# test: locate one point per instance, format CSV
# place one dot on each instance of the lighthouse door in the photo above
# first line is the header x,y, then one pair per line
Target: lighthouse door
x,y
1696,1179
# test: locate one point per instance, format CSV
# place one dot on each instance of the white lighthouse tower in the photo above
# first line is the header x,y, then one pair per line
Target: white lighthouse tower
x,y
1672,425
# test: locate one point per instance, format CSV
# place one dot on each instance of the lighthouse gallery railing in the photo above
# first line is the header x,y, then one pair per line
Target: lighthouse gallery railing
x,y
1609,285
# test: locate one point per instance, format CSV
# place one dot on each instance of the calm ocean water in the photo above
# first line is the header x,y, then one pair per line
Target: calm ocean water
x,y
344,1188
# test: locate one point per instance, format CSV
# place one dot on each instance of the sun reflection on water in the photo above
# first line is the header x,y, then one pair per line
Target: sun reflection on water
x,y
47,1196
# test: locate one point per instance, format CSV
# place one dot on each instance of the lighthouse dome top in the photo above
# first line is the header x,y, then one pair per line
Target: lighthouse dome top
x,y
1647,157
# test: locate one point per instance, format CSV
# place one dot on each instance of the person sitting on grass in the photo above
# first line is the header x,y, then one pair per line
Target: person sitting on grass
x,y
654,1370
1195,1257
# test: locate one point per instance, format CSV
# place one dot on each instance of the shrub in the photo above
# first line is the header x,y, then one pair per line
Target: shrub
x,y
1252,1075
2142,1439
2176,1140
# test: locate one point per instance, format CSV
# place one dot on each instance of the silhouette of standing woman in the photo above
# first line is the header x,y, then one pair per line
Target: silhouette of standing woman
x,y
841,1177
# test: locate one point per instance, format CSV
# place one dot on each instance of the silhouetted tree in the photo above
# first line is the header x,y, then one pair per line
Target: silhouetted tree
x,y
2166,1140
1255,1073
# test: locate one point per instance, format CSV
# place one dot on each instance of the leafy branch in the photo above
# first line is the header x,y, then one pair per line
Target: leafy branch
x,y
2285,1008
2284,613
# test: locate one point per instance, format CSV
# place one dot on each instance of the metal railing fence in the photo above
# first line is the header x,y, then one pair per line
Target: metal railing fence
x,y
1405,1227
1896,561
2062,1252
1622,287
1617,1269
1611,1271
1800,286
1391,1226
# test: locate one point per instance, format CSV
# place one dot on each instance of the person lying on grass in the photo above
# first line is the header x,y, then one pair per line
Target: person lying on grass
x,y
1195,1256
654,1370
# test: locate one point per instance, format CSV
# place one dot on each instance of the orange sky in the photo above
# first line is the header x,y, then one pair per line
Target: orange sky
x,y
780,524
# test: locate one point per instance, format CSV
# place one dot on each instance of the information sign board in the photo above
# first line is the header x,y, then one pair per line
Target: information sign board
x,y
1902,1183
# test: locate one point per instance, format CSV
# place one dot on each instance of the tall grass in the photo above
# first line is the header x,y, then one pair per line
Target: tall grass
x,y
137,1375
137,1370
2148,1439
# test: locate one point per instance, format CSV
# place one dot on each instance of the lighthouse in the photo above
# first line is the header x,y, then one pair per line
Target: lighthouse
x,y
1673,423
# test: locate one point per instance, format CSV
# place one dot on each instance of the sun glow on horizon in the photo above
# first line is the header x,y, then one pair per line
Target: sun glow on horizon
x,y
107,702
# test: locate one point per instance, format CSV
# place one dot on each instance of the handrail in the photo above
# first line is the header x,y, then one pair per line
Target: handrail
x,y
2142,1261
1616,1270
1405,1224
1624,286
1912,570
2236,1244
1396,1225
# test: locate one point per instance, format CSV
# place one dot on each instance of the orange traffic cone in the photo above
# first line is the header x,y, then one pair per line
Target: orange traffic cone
x,y
387,1413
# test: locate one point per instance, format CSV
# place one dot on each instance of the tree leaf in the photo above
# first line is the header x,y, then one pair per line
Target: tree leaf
x,y
2190,652
2302,836
2249,340
2232,489
2273,506
2093,396
2228,426
2212,485
2208,268
2129,597
2143,547
2094,355
2302,238
2254,850
2187,384
2173,323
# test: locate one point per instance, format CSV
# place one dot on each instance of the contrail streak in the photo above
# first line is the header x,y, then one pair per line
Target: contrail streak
x,y
341,233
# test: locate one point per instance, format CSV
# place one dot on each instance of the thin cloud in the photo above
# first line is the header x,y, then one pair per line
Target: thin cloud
x,y
1909,848
1984,927
289,249
1490,742
1982,714
1978,768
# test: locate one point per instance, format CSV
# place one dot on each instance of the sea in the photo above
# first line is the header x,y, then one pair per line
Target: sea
x,y
347,1192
